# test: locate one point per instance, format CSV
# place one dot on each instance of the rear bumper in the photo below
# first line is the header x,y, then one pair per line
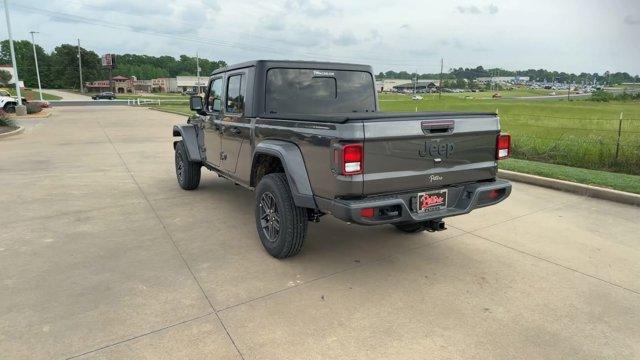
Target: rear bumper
x,y
461,200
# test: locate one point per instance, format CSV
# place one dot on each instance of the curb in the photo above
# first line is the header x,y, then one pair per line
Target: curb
x,y
568,186
32,116
11,133
168,111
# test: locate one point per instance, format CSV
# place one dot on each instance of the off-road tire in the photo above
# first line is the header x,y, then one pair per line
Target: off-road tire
x,y
9,108
292,220
187,172
411,227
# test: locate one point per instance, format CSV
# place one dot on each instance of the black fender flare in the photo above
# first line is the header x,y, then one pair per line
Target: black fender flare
x,y
294,167
189,135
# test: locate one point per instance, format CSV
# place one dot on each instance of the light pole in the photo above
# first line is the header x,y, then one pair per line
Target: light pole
x,y
35,57
20,109
198,72
79,67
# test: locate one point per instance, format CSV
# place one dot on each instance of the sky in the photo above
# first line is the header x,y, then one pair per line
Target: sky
x,y
563,35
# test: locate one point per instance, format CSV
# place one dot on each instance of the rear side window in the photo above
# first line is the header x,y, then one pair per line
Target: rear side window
x,y
235,95
308,91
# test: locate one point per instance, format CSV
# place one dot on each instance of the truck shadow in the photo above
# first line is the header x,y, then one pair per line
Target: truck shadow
x,y
329,236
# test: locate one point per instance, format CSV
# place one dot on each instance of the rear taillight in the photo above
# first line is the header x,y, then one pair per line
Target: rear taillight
x,y
503,146
352,159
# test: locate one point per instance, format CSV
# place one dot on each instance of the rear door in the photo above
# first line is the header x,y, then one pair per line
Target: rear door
x,y
414,154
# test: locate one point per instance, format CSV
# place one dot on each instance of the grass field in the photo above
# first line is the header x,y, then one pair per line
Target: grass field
x,y
622,182
504,93
31,94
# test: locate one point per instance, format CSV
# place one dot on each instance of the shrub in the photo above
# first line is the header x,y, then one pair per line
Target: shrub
x,y
33,107
601,95
625,96
5,120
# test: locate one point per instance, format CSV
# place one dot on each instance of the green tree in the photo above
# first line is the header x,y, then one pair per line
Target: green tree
x,y
26,63
64,63
5,76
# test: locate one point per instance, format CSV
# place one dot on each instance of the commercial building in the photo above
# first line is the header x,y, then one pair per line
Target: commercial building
x,y
404,85
185,83
164,85
121,85
388,84
143,85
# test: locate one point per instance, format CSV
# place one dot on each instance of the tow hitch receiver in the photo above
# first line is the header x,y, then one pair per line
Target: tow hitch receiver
x,y
435,225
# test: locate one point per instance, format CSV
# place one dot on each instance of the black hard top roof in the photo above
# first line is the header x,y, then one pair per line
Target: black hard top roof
x,y
294,64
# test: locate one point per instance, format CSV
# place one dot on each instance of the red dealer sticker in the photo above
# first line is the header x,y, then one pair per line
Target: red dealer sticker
x,y
431,201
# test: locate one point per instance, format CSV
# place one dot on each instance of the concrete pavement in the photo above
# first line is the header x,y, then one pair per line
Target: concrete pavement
x,y
66,95
102,256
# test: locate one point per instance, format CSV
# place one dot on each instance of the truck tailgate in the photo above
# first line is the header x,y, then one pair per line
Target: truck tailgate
x,y
412,154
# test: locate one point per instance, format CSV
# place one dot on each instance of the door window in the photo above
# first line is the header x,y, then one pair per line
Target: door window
x,y
235,95
214,100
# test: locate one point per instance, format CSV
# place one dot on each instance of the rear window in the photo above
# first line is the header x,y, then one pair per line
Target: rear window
x,y
308,91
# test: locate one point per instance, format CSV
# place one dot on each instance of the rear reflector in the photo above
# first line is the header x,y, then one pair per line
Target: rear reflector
x,y
367,212
493,194
352,159
503,146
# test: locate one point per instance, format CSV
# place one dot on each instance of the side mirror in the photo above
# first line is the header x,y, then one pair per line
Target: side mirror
x,y
196,103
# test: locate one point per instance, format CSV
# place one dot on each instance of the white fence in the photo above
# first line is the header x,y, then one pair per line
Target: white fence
x,y
158,102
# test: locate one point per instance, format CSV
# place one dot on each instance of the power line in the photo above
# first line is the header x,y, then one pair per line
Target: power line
x,y
199,40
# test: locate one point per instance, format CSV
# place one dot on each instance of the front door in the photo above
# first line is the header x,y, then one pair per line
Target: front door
x,y
213,122
234,126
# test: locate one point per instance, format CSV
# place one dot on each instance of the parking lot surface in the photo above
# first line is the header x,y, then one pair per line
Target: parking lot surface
x,y
102,256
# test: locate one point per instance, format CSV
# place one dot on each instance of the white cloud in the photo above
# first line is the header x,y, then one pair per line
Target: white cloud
x,y
473,9
400,35
469,9
631,20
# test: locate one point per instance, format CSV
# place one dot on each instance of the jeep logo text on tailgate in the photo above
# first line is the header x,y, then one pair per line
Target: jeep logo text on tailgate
x,y
436,150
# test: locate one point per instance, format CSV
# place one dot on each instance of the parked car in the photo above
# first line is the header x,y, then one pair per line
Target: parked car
x,y
416,97
309,139
8,102
108,95
189,92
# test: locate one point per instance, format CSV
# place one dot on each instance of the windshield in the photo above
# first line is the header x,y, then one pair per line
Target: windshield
x,y
308,91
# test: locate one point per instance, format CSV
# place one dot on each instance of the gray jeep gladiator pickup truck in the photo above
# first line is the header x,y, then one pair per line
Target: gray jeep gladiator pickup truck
x,y
308,137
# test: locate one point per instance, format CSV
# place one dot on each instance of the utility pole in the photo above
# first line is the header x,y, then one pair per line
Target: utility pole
x,y
415,82
198,72
440,86
35,57
80,67
20,110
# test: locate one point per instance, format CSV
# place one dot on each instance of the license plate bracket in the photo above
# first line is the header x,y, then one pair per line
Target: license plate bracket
x,y
429,201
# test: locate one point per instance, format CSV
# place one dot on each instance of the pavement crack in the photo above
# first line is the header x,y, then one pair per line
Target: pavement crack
x,y
557,264
171,239
359,265
141,335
